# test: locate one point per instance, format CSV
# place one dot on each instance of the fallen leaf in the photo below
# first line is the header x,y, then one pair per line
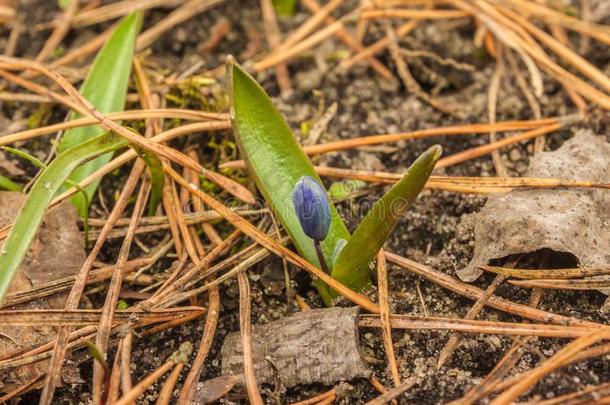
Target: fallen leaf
x,y
58,251
572,221
316,346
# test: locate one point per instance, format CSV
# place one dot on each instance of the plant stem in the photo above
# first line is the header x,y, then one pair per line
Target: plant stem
x,y
323,265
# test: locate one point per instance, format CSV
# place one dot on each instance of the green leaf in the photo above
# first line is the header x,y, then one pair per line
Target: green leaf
x,y
97,354
44,189
40,164
106,88
23,154
342,190
8,184
285,7
372,232
276,161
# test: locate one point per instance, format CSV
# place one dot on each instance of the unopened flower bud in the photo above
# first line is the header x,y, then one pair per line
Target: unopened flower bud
x,y
312,208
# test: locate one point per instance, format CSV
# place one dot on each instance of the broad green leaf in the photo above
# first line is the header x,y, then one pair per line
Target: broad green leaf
x,y
375,228
276,161
44,189
106,88
285,7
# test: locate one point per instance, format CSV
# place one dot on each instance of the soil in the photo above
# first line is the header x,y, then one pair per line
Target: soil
x,y
430,232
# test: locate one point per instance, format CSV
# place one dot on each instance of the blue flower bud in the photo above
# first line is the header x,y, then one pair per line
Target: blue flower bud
x,y
312,208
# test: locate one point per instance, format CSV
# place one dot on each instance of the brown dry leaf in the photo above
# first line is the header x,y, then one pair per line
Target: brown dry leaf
x,y
57,251
212,390
316,346
571,221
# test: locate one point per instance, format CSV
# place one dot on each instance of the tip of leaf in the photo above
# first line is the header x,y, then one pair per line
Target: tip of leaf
x,y
436,151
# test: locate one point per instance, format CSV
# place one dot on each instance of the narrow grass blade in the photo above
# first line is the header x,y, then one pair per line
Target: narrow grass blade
x,y
285,7
44,189
352,265
8,184
106,88
276,161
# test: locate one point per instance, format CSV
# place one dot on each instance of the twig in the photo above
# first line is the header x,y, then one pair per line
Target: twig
x,y
316,399
420,323
539,143
63,334
473,292
413,14
393,393
211,322
272,32
59,32
492,102
103,332
310,25
346,37
548,366
377,47
543,274
384,316
183,13
405,75
472,313
119,9
453,130
13,38
165,395
494,146
180,356
246,335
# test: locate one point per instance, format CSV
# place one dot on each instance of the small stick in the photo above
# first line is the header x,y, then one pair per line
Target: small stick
x,y
63,334
245,328
413,14
183,13
346,37
468,290
473,312
475,152
380,45
178,357
165,395
316,399
453,130
272,32
384,316
405,75
393,393
112,296
568,351
59,32
211,322
492,102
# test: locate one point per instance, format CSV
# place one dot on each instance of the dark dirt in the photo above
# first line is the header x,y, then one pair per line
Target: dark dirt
x,y
430,233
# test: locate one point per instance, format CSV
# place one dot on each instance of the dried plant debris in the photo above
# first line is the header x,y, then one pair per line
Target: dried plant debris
x,y
316,346
57,252
574,222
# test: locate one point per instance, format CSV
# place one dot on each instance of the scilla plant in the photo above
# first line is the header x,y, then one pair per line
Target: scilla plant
x,y
287,180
